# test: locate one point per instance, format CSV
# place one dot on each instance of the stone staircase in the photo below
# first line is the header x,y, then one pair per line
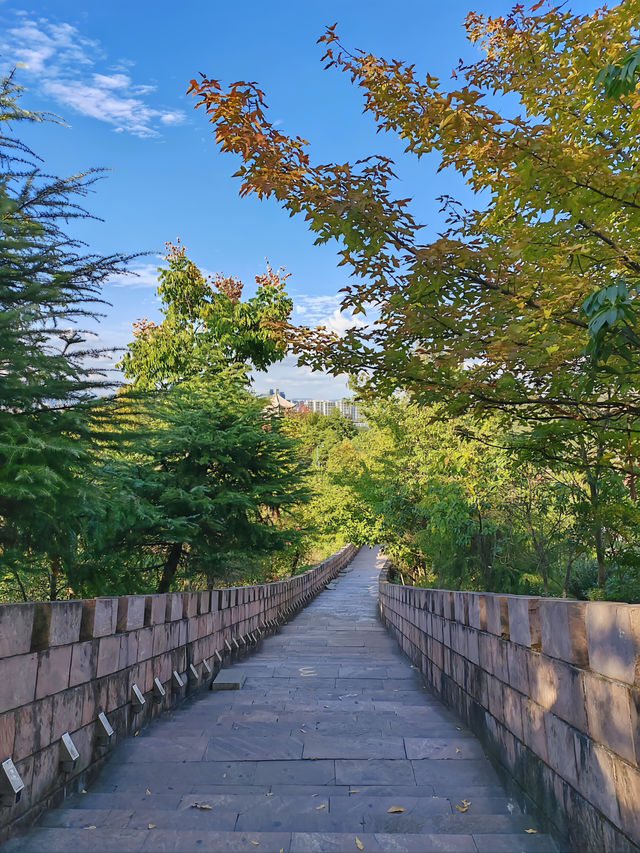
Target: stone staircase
x,y
332,744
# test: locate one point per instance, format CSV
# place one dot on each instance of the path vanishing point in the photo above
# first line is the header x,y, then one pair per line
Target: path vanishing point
x,y
332,744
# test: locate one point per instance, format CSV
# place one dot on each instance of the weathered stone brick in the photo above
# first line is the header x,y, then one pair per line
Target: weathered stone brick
x,y
7,734
67,712
155,608
17,680
174,606
477,610
524,620
533,731
131,612
561,749
611,642
99,617
627,780
56,623
563,630
497,614
558,687
609,715
16,628
145,643
595,771
84,662
511,713
108,655
33,727
53,670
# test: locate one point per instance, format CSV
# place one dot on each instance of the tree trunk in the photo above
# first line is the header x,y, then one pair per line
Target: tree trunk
x,y
54,576
170,567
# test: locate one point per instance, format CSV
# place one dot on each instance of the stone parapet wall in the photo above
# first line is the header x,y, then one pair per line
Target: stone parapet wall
x,y
62,663
551,687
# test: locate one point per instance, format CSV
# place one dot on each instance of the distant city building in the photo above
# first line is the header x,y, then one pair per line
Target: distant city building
x,y
346,408
278,402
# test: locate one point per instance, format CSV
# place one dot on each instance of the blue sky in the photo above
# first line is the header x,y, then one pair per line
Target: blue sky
x,y
117,74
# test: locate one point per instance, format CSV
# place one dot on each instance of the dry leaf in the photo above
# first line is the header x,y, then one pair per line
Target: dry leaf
x,y
359,844
354,791
270,794
147,791
315,795
457,750
463,806
304,731
395,810
255,842
91,827
135,734
224,775
531,831
320,807
152,826
459,728
83,791
202,806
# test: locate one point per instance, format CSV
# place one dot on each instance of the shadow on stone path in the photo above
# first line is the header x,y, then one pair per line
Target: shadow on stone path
x,y
333,744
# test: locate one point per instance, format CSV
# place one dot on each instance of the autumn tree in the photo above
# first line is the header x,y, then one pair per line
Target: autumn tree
x,y
525,304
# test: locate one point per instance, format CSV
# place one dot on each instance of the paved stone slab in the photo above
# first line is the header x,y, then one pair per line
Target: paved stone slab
x,y
332,727
229,679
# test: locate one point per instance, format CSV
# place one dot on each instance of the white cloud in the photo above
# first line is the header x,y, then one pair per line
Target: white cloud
x,y
62,61
325,311
144,276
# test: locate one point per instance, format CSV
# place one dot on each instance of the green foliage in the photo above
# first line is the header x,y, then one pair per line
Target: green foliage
x,y
48,412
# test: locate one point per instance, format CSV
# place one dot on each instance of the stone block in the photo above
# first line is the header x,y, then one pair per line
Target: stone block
x,y
108,655
511,714
518,667
524,620
46,772
614,651
497,614
174,606
67,712
558,687
563,630
595,768
7,734
460,608
477,610
99,617
17,680
33,728
561,748
145,643
533,731
84,662
131,612
16,628
609,715
628,793
56,623
155,608
160,639
54,666
204,601
128,649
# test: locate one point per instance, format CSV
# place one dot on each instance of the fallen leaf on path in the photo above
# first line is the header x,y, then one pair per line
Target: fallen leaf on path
x,y
462,807
255,842
457,750
395,810
354,791
135,734
152,826
91,827
304,731
202,806
459,728
320,807
359,844
147,791
270,794
315,795
83,791
531,831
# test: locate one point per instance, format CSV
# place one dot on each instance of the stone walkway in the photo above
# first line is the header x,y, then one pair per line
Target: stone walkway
x,y
333,744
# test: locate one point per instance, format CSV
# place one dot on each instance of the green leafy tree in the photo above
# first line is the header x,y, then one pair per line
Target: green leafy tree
x,y
49,290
